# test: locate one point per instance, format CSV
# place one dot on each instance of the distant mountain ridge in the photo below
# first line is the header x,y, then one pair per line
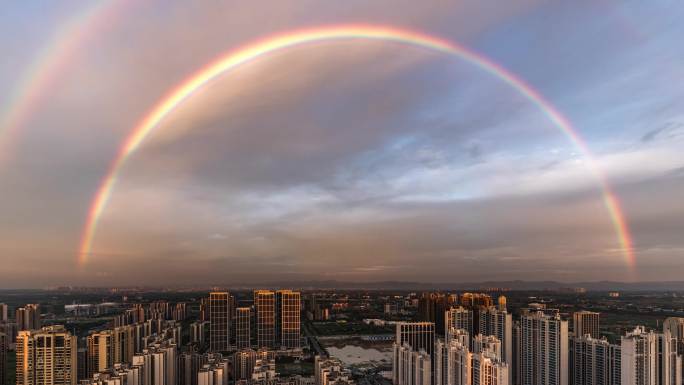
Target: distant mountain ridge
x,y
398,285
485,285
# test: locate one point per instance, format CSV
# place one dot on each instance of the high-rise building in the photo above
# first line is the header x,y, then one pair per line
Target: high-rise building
x,y
219,319
487,365
516,372
501,303
675,326
81,364
639,365
288,322
159,364
118,375
242,327
179,311
455,364
594,362
264,305
331,371
243,364
109,347
411,367
4,312
419,338
487,344
10,330
198,332
473,300
499,323
100,352
476,302
431,308
458,318
124,344
418,335
453,360
543,349
46,357
4,342
585,322
487,369
160,310
189,364
649,358
28,317
204,310
213,374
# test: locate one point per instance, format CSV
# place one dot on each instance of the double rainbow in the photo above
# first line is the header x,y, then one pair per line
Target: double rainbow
x,y
57,56
252,51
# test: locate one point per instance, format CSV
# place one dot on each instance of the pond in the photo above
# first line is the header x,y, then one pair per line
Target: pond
x,y
354,354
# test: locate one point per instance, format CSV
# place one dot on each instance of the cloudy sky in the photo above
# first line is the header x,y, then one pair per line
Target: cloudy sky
x,y
353,160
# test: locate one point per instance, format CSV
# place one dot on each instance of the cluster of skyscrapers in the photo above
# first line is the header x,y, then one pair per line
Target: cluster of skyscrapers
x,y
152,344
276,315
480,344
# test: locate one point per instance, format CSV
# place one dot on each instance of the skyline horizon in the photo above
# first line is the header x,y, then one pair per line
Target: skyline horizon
x,y
483,285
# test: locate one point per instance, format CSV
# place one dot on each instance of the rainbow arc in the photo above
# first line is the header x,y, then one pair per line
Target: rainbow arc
x,y
252,51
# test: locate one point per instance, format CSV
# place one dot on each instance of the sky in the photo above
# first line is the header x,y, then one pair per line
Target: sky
x,y
349,160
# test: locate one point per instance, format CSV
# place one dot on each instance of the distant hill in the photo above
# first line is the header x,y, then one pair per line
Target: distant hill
x,y
508,285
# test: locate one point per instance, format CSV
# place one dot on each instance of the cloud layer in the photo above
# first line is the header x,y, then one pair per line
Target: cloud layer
x,y
352,160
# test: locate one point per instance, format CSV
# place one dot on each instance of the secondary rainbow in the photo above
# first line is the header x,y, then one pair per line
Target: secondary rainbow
x,y
245,54
64,46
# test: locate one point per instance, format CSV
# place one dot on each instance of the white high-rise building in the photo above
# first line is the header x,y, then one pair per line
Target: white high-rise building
x,y
487,344
159,363
457,339
650,358
458,318
411,367
214,372
499,323
453,360
594,362
418,335
543,349
487,369
675,326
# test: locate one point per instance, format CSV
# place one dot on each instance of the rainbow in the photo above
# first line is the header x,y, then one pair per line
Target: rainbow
x,y
49,65
252,51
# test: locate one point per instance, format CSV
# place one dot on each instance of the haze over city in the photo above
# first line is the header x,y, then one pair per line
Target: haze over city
x,y
356,141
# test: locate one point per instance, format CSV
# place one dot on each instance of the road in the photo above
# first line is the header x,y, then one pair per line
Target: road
x,y
315,344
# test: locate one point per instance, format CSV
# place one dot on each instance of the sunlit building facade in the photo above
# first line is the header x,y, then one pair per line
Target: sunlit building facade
x,y
265,313
288,322
242,327
219,320
46,357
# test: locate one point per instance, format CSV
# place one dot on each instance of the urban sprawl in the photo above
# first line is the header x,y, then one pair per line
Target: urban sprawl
x,y
322,337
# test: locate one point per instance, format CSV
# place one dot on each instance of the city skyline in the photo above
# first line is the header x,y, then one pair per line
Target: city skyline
x,y
169,143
